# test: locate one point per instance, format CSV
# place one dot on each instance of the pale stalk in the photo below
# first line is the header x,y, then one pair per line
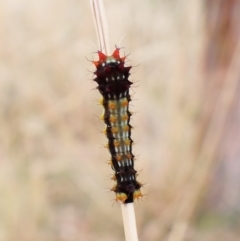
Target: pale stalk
x,y
101,26
129,222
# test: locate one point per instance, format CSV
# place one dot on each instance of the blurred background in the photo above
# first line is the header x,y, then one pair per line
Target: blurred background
x,y
54,180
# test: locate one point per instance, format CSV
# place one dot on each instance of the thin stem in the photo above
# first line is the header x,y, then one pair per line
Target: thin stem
x,y
129,222
100,25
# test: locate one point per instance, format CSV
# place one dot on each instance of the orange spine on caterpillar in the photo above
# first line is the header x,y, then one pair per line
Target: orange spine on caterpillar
x,y
113,82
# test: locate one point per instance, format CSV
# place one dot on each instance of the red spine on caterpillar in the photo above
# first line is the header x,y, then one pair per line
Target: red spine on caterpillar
x,y
113,82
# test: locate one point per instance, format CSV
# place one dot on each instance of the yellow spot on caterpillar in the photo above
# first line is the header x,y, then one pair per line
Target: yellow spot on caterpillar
x,y
137,194
114,188
127,142
129,155
125,128
111,105
113,119
114,178
124,117
114,129
101,117
116,143
118,158
106,146
101,101
104,131
124,102
120,196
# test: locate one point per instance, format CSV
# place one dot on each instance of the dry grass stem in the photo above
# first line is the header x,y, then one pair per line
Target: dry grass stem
x,y
100,25
200,173
129,222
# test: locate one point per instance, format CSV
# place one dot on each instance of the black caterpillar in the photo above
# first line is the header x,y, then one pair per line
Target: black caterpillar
x,y
113,83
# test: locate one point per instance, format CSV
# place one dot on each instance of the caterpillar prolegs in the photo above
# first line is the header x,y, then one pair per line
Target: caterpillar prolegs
x,y
113,82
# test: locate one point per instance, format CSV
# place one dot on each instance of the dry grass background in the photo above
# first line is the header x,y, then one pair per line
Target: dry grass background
x,y
53,178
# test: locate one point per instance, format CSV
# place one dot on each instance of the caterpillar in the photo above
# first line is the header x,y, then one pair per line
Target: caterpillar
x,y
113,82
